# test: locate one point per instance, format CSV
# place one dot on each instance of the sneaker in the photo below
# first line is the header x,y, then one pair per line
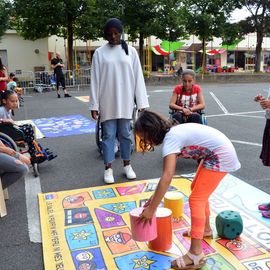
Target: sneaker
x,y
266,214
264,207
58,95
67,95
130,174
108,176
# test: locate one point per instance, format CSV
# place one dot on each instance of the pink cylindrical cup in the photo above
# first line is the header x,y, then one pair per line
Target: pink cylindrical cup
x,y
141,231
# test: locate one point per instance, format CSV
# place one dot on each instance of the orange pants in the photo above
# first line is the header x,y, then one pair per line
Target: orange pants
x,y
203,185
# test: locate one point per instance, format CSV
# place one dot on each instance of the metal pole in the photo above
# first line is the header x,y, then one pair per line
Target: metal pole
x,y
122,13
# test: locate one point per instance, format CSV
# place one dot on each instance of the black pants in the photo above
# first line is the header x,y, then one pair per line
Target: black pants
x,y
60,79
29,138
193,118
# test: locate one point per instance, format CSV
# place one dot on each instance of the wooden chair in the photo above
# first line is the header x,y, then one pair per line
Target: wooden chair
x,y
3,196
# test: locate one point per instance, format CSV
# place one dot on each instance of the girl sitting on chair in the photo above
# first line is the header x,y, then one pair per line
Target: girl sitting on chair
x,y
187,99
9,102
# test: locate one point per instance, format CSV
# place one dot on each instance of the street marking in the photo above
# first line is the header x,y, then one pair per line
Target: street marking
x,y
248,143
32,188
219,103
249,116
161,90
232,114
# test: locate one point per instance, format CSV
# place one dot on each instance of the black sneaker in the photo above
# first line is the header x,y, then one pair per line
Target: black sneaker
x,y
38,159
58,95
68,95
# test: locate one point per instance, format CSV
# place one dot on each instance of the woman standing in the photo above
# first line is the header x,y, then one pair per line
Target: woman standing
x,y
3,77
117,82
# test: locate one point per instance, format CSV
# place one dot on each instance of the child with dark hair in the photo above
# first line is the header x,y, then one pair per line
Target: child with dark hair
x,y
195,141
9,102
187,99
116,83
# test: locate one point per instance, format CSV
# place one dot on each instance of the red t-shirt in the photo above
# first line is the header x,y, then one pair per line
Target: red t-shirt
x,y
3,84
187,99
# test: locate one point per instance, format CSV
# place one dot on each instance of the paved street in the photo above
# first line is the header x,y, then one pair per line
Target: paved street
x,y
229,108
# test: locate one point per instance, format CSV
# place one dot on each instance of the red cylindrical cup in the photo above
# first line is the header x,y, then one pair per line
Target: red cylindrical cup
x,y
163,241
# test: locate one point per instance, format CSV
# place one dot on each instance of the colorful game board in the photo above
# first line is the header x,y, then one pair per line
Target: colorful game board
x,y
65,126
89,228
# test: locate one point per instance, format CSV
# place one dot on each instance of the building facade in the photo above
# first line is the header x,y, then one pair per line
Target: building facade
x,y
18,54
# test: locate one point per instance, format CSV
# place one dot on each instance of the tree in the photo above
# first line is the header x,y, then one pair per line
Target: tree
x,y
4,17
138,17
170,21
36,19
259,22
206,19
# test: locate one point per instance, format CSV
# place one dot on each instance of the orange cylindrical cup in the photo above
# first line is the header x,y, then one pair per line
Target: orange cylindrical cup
x,y
174,201
163,241
142,232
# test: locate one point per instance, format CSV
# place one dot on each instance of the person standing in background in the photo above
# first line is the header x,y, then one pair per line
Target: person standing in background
x,y
57,65
117,84
3,77
265,152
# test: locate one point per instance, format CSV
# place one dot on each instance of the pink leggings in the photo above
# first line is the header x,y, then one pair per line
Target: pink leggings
x,y
203,185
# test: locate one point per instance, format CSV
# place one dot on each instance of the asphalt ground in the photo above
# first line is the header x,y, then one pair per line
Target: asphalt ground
x,y
229,108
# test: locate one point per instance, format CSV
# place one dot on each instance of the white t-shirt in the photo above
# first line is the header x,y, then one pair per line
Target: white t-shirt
x,y
116,83
4,113
198,141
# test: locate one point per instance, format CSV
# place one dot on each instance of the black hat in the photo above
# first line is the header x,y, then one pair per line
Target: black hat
x,y
113,23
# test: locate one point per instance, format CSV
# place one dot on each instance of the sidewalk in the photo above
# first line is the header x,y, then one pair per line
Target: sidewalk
x,y
237,77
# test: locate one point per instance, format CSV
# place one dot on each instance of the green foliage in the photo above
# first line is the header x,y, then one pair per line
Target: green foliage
x,y
258,22
139,16
38,19
4,17
206,19
170,22
259,18
231,33
167,19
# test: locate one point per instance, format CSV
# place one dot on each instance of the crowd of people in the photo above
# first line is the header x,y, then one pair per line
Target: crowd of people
x,y
117,86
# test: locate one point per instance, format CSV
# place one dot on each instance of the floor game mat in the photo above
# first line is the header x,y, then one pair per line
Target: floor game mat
x,y
65,125
90,229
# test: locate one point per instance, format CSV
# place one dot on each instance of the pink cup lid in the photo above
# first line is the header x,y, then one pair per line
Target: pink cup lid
x,y
136,211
